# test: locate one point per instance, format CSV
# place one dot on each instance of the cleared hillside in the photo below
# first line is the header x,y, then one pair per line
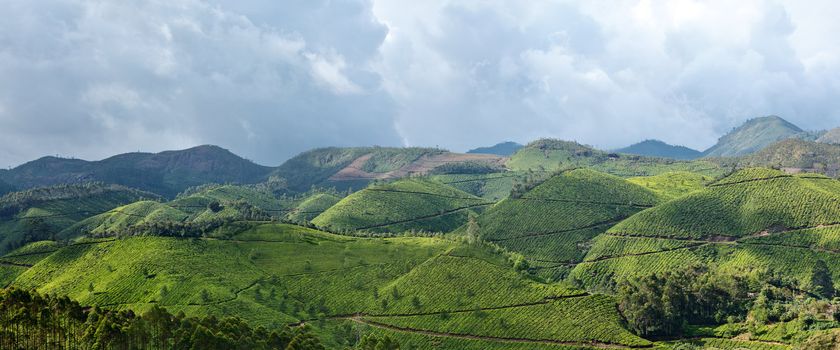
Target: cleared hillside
x,y
553,223
266,275
403,205
754,221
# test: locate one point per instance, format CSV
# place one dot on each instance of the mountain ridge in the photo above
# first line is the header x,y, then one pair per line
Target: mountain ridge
x,y
657,148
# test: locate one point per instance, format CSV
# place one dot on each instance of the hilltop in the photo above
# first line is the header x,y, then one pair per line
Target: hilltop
x,y
501,149
656,148
166,173
754,135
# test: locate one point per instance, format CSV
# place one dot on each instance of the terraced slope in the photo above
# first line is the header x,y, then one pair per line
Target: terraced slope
x,y
550,155
672,185
493,186
312,206
752,221
553,223
43,213
267,275
207,205
404,205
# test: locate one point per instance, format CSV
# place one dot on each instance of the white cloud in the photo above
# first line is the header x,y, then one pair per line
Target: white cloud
x,y
269,79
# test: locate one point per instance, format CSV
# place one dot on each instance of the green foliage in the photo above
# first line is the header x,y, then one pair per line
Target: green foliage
x,y
752,136
34,321
404,205
494,187
672,185
313,206
471,168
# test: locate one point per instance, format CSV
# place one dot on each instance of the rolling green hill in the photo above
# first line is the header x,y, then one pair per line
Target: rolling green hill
x,y
166,173
754,135
671,185
659,149
403,205
550,155
754,221
312,206
267,273
43,213
553,223
492,186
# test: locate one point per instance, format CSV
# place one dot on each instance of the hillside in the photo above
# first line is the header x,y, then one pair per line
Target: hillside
x,y
500,149
43,213
5,188
552,224
752,136
672,185
415,289
312,206
166,173
720,224
403,205
795,155
831,136
550,155
656,148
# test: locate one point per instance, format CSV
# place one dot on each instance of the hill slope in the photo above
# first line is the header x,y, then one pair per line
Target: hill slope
x,y
752,136
500,149
831,136
796,155
553,223
404,205
166,173
43,213
656,148
550,155
719,226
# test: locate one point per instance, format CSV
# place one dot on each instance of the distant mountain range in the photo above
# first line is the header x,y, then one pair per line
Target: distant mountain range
x,y
166,173
656,148
501,149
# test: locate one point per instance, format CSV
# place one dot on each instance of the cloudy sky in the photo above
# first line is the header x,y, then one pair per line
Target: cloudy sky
x,y
269,79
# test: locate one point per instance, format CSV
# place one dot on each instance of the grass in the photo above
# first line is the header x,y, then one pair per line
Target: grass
x,y
404,205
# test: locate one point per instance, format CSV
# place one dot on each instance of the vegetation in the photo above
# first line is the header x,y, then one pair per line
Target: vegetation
x,y
33,321
796,155
494,186
404,205
754,135
672,185
501,149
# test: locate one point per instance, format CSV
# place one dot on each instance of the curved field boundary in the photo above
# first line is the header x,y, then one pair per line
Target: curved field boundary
x,y
543,301
538,234
450,211
421,193
601,345
766,179
478,179
586,202
610,257
9,263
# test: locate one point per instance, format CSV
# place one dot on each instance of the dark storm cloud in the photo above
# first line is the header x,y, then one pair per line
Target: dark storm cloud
x,y
269,79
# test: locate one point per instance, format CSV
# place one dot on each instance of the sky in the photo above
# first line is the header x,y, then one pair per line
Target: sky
x,y
270,79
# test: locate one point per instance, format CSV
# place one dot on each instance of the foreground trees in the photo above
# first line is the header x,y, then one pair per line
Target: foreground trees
x,y
29,320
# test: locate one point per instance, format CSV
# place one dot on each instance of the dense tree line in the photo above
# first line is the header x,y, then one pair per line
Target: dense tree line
x,y
664,304
29,320
12,203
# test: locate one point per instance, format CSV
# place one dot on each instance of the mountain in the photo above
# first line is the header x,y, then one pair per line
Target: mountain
x,y
166,173
500,149
5,188
656,148
754,135
795,155
831,136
